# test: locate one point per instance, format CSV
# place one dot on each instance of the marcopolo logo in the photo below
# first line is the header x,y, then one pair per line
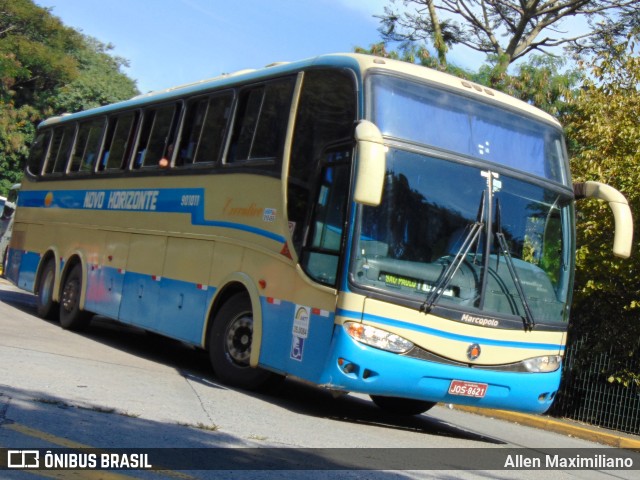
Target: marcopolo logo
x,y
485,322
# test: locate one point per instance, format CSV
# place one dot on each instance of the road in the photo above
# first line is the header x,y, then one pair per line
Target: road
x,y
115,387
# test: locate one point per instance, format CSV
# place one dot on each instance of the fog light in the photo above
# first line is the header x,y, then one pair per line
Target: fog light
x,y
377,338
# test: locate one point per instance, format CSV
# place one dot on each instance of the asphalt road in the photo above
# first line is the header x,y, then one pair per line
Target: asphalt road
x,y
115,387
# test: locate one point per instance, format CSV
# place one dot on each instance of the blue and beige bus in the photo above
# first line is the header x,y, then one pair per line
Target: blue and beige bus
x,y
359,223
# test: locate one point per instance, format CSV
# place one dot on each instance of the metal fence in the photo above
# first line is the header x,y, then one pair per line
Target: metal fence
x,y
587,396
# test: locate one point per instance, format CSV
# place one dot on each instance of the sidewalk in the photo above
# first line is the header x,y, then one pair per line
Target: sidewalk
x,y
563,426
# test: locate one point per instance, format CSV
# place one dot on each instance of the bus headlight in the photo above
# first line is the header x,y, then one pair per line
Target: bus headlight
x,y
377,338
548,363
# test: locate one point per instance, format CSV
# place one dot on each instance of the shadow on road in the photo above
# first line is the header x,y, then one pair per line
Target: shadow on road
x,y
292,395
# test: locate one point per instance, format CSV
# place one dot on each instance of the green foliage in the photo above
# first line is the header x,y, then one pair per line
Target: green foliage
x,y
418,55
602,124
47,69
99,81
35,51
541,81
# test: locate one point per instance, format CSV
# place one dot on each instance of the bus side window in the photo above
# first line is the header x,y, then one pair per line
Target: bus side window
x,y
261,122
118,142
60,149
38,153
87,146
214,129
157,137
191,131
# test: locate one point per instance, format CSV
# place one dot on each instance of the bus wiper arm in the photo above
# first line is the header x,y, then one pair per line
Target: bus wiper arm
x,y
528,320
446,277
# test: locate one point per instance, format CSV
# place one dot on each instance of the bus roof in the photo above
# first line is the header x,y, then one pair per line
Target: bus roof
x,y
359,62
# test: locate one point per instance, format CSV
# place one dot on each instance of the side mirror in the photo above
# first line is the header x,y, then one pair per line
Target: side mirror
x,y
623,237
370,164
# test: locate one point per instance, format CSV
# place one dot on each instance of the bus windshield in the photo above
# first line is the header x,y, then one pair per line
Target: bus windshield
x,y
418,113
432,207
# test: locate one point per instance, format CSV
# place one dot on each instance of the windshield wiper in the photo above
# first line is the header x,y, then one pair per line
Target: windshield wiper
x,y
528,319
445,278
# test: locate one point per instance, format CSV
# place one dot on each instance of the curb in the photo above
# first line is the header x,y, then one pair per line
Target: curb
x,y
558,426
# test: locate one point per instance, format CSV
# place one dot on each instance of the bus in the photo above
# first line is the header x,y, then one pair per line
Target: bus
x,y
354,222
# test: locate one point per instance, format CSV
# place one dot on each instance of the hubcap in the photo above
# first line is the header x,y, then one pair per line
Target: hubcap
x,y
238,339
70,295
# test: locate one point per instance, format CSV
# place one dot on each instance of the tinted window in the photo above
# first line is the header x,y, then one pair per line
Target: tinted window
x,y
117,145
60,149
261,121
87,146
204,130
157,136
321,252
326,116
38,153
417,112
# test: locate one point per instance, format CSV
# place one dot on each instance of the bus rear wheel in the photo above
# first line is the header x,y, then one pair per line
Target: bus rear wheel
x,y
46,307
402,406
71,317
230,341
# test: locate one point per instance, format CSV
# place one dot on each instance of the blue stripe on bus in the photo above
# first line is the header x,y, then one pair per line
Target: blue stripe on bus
x,y
447,335
167,200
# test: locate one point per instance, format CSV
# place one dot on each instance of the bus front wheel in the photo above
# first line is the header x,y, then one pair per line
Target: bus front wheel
x,y
71,317
46,307
230,342
402,406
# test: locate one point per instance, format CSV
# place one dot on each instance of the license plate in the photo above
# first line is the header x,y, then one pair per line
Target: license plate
x,y
467,389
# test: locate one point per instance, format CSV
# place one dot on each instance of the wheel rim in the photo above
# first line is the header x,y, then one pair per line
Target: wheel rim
x,y
238,338
70,294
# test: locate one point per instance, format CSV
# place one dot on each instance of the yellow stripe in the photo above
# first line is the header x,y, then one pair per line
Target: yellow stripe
x,y
32,432
79,474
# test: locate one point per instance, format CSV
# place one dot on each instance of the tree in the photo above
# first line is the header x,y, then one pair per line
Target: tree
x,y
505,30
542,81
35,52
602,125
99,81
47,68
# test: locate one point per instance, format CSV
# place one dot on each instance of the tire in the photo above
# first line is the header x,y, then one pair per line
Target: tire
x,y
230,341
71,317
402,406
46,307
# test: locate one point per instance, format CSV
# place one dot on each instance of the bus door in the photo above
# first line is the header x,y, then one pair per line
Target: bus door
x,y
299,337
